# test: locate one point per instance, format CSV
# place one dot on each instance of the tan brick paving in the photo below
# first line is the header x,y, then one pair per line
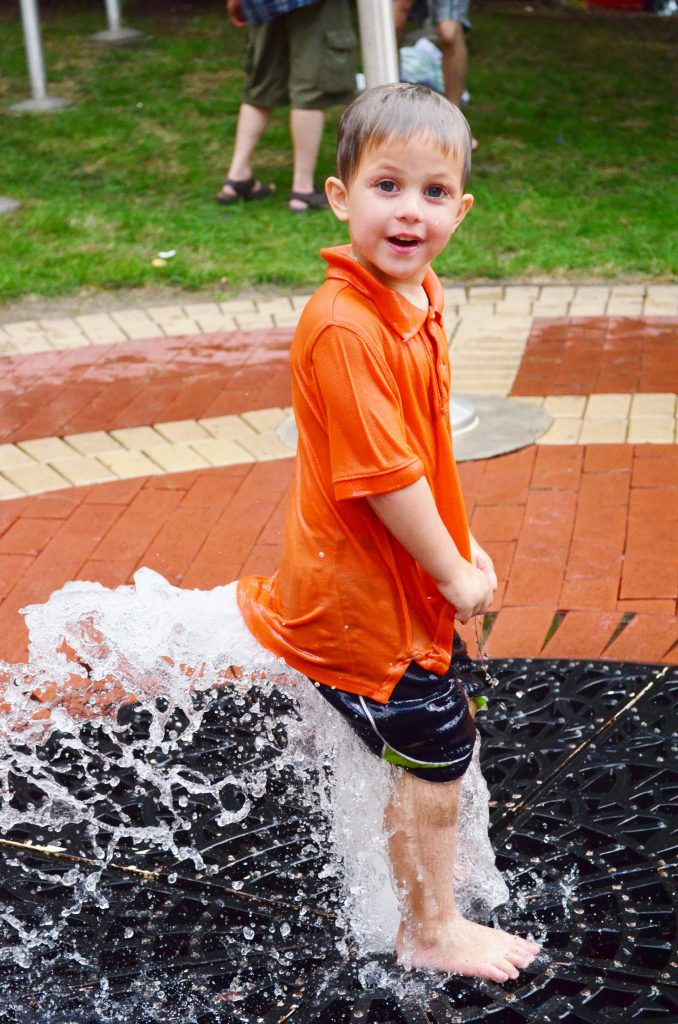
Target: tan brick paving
x,y
473,306
80,470
488,326
93,442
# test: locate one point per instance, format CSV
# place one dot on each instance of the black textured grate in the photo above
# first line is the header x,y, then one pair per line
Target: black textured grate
x,y
581,763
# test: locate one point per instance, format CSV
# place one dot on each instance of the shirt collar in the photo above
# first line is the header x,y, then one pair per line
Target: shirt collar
x,y
393,307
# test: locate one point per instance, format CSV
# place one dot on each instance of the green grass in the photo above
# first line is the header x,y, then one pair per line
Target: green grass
x,y
572,179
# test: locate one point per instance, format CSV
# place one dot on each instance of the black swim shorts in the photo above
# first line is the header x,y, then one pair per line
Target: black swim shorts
x,y
426,726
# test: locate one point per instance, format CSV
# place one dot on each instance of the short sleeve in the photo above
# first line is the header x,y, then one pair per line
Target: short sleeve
x,y
369,450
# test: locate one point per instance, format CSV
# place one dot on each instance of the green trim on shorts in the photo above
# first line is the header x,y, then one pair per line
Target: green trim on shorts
x,y
393,757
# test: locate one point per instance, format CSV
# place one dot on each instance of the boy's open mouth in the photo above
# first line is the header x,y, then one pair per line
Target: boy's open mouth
x,y
404,242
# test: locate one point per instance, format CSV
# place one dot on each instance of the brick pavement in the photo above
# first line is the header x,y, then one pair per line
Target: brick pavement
x,y
149,437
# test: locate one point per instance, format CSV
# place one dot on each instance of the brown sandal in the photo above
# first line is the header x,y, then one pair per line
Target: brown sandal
x,y
247,190
311,200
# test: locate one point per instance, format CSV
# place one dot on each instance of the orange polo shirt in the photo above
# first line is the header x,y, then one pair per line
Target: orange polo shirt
x,y
370,383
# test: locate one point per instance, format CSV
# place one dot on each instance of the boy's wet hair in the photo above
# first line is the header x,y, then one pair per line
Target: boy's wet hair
x,y
401,112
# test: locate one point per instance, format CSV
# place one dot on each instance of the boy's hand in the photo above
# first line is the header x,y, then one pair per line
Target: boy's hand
x,y
482,561
469,591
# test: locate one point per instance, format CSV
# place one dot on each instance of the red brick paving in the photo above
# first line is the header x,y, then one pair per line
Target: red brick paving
x,y
131,384
571,530
599,355
583,537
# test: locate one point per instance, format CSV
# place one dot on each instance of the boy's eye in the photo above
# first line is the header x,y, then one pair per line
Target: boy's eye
x,y
436,191
387,186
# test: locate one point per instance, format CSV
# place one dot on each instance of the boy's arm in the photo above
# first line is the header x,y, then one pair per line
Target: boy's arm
x,y
410,514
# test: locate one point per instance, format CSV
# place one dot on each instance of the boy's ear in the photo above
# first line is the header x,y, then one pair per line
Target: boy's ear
x,y
337,196
464,206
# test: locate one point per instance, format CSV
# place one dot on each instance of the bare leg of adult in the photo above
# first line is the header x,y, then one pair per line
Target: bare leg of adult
x,y
455,60
306,129
251,124
401,10
421,824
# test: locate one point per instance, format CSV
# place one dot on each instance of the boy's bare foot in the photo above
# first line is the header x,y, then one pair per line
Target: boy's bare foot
x,y
467,948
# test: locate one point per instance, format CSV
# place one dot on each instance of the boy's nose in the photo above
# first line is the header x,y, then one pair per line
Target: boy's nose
x,y
410,206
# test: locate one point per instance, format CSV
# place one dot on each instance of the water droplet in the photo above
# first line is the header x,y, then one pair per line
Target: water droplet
x,y
248,932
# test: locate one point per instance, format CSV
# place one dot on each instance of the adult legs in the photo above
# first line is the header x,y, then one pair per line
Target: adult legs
x,y
421,824
455,58
251,124
401,10
306,129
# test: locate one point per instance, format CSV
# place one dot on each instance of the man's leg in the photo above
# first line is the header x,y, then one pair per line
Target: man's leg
x,y
421,824
306,129
251,124
455,58
401,10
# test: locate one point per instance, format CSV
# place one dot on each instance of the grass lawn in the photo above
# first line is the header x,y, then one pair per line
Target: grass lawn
x,y
572,179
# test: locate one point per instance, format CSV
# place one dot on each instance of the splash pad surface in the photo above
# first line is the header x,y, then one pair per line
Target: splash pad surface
x,y
205,892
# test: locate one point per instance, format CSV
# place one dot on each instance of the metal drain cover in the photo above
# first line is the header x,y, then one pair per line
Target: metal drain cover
x,y
581,763
482,426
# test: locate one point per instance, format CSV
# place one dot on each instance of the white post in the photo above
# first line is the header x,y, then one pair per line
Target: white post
x,y
33,43
113,15
40,102
116,33
378,42
9,205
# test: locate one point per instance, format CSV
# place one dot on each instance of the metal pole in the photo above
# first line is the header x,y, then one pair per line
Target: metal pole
x,y
113,15
116,33
41,102
378,42
9,205
33,43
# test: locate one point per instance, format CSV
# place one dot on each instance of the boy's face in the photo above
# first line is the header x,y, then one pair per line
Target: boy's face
x,y
404,203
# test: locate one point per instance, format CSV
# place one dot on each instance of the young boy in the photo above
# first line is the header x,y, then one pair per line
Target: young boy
x,y
377,556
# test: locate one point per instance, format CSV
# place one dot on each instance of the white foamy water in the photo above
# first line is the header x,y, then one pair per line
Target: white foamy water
x,y
96,647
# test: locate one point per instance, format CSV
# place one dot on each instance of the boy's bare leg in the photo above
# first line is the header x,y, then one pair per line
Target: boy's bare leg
x,y
421,824
251,124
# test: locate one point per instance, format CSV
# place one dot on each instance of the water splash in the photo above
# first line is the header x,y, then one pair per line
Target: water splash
x,y
96,740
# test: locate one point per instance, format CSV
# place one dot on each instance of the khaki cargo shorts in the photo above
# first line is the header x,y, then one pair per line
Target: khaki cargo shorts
x,y
304,59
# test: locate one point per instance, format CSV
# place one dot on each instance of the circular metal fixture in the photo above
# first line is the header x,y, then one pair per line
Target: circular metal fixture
x,y
581,762
9,205
463,416
482,426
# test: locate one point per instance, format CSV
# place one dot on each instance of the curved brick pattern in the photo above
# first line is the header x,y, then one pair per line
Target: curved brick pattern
x,y
576,535
581,526
50,463
136,383
197,529
596,355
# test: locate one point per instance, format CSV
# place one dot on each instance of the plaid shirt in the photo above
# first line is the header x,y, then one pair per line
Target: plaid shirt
x,y
256,12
